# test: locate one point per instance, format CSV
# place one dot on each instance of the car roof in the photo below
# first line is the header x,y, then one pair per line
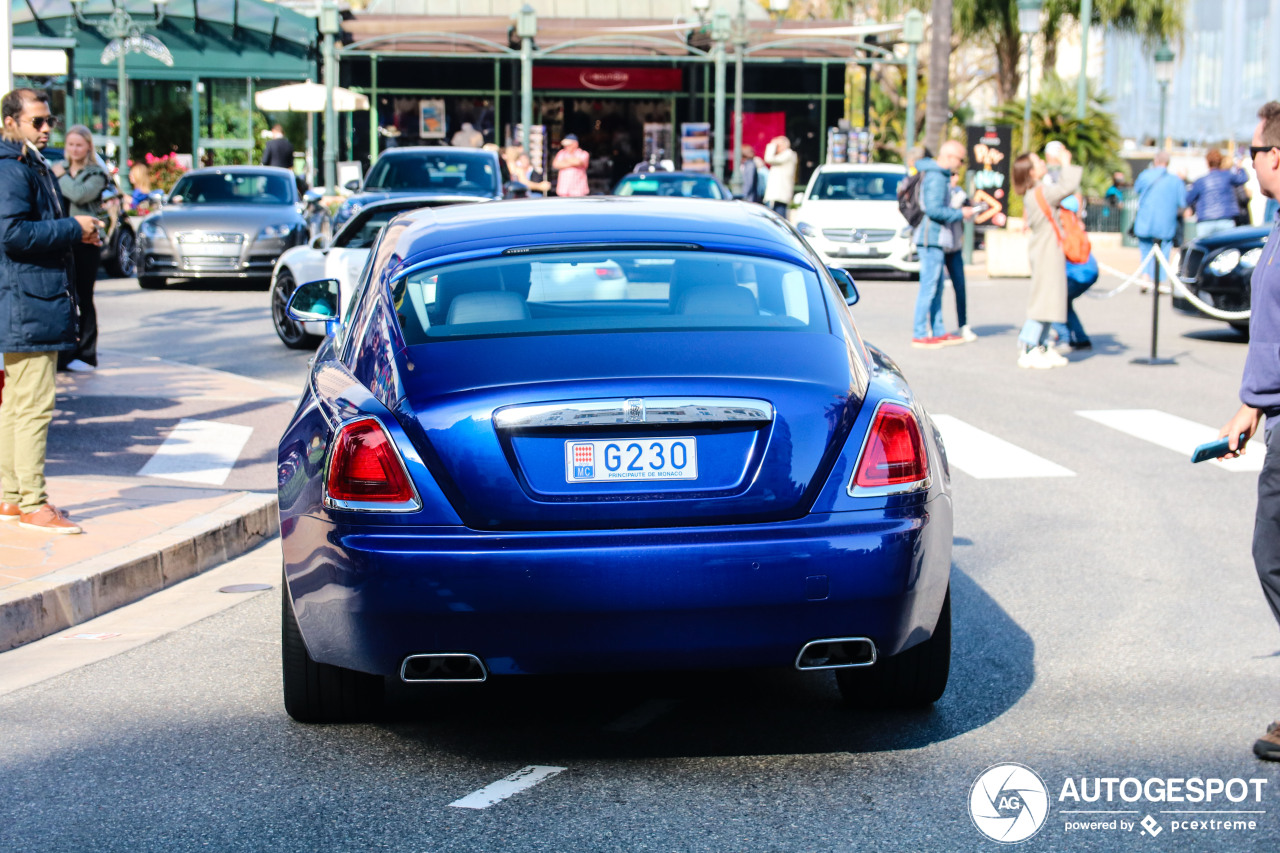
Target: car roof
x,y
644,176
467,229
412,150
863,167
238,170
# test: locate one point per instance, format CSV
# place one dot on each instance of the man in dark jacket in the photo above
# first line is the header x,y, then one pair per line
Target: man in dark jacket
x,y
279,151
933,240
37,308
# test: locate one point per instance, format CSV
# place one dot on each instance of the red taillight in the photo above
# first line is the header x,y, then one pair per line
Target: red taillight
x,y
607,272
365,467
894,453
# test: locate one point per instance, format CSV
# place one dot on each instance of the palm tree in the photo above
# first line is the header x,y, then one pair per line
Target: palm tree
x,y
937,108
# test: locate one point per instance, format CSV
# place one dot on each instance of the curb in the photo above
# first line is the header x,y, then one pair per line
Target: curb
x,y
38,608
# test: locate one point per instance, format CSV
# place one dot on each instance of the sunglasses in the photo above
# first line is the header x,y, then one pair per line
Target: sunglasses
x,y
1255,150
41,122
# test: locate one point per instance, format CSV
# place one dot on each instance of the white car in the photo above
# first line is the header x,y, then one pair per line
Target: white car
x,y
343,259
849,214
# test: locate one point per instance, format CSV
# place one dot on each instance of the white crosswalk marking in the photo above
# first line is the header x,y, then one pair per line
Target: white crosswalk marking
x,y
198,452
983,455
1175,433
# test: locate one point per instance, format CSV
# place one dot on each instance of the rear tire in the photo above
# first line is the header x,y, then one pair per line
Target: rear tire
x,y
150,282
291,333
911,679
319,692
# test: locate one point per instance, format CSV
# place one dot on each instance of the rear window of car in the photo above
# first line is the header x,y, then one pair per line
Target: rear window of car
x,y
856,186
607,291
445,172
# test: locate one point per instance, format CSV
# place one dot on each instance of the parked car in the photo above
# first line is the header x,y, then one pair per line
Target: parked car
x,y
342,260
712,473
681,184
421,171
221,222
849,214
1217,270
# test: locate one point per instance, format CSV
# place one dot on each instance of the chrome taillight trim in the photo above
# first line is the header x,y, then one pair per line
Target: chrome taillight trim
x,y
634,410
856,491
413,505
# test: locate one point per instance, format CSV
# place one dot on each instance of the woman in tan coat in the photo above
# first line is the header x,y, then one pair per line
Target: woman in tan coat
x,y
1048,303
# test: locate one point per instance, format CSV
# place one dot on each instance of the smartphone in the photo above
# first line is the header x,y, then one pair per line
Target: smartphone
x,y
981,207
1215,449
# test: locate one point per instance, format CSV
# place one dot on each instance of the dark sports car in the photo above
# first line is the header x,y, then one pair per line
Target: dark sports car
x,y
496,472
424,171
1217,270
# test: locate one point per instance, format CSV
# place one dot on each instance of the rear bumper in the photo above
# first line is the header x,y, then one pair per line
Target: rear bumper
x,y
607,601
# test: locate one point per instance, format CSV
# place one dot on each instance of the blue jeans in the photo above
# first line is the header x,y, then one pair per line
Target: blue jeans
x,y
1033,334
928,318
955,269
1213,226
1073,329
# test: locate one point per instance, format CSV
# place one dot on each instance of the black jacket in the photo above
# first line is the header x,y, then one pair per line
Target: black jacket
x,y
278,152
37,308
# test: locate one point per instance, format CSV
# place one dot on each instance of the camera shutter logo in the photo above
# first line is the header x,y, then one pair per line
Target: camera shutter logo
x,y
1009,803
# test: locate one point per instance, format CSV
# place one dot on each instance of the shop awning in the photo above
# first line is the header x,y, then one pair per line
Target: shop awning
x,y
308,98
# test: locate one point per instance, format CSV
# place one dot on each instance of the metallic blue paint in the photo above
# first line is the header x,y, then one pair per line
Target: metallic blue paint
x,y
507,561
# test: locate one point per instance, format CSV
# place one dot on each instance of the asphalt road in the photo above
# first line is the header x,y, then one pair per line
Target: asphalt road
x,y
1108,625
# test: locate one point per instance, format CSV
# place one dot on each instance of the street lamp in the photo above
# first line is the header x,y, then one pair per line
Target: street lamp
x,y
1082,83
739,48
1164,76
1029,14
329,27
913,35
526,29
720,32
778,8
125,35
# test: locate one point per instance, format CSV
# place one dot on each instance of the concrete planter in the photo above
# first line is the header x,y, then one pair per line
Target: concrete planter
x,y
1007,254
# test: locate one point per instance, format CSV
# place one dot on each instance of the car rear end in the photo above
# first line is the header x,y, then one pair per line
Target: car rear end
x,y
704,472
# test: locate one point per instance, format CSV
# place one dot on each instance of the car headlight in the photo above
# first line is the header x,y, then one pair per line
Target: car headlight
x,y
806,229
151,230
1250,259
1225,262
275,232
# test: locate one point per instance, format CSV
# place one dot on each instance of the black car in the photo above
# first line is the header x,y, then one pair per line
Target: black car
x,y
676,184
425,170
1217,270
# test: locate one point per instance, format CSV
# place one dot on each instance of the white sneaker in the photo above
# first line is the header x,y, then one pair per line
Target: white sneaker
x,y
78,366
967,334
1054,357
1033,359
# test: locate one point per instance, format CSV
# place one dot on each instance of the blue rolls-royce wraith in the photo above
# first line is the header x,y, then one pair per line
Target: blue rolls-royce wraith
x,y
603,435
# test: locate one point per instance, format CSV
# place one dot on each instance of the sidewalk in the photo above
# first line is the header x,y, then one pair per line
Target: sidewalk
x,y
141,533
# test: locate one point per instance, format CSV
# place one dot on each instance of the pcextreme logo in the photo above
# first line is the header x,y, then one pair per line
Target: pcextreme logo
x,y
1009,803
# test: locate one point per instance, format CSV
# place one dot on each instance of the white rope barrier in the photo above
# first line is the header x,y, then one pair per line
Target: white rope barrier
x,y
1174,280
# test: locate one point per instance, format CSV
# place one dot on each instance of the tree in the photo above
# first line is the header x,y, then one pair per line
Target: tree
x,y
937,101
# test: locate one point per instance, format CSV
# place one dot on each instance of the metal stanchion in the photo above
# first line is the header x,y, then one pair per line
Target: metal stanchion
x,y
1155,310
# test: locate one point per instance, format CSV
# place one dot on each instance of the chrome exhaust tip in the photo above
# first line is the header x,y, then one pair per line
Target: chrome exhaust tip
x,y
838,653
453,667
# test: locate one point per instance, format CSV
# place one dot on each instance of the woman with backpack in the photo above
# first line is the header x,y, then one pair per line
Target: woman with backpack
x,y
1048,300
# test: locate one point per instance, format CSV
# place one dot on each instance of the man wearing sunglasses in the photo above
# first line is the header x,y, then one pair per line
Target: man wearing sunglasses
x,y
37,305
1260,388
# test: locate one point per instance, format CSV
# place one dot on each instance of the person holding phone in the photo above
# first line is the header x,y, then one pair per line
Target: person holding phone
x,y
36,239
1260,389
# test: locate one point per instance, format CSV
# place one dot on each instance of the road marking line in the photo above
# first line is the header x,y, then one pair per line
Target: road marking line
x,y
986,457
515,783
198,452
1174,433
637,718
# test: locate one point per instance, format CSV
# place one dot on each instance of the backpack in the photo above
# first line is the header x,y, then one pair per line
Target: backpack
x,y
1072,237
909,199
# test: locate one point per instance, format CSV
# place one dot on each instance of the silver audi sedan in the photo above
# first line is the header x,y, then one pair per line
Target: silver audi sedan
x,y
221,222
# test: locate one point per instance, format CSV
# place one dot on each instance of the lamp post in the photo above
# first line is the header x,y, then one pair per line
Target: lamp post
x,y
526,29
1082,84
1164,76
913,35
329,25
1029,13
719,35
125,35
739,46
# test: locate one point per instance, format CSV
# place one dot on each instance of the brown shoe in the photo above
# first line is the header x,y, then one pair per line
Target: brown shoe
x,y
1267,747
9,512
49,520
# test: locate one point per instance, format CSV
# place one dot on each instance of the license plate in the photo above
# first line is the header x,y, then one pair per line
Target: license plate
x,y
631,459
859,250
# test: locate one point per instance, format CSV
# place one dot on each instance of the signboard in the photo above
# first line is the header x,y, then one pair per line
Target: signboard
x,y
990,153
608,79
431,120
695,146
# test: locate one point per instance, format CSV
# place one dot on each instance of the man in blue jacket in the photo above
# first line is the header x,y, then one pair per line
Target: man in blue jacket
x,y
37,308
933,241
1161,197
1260,388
